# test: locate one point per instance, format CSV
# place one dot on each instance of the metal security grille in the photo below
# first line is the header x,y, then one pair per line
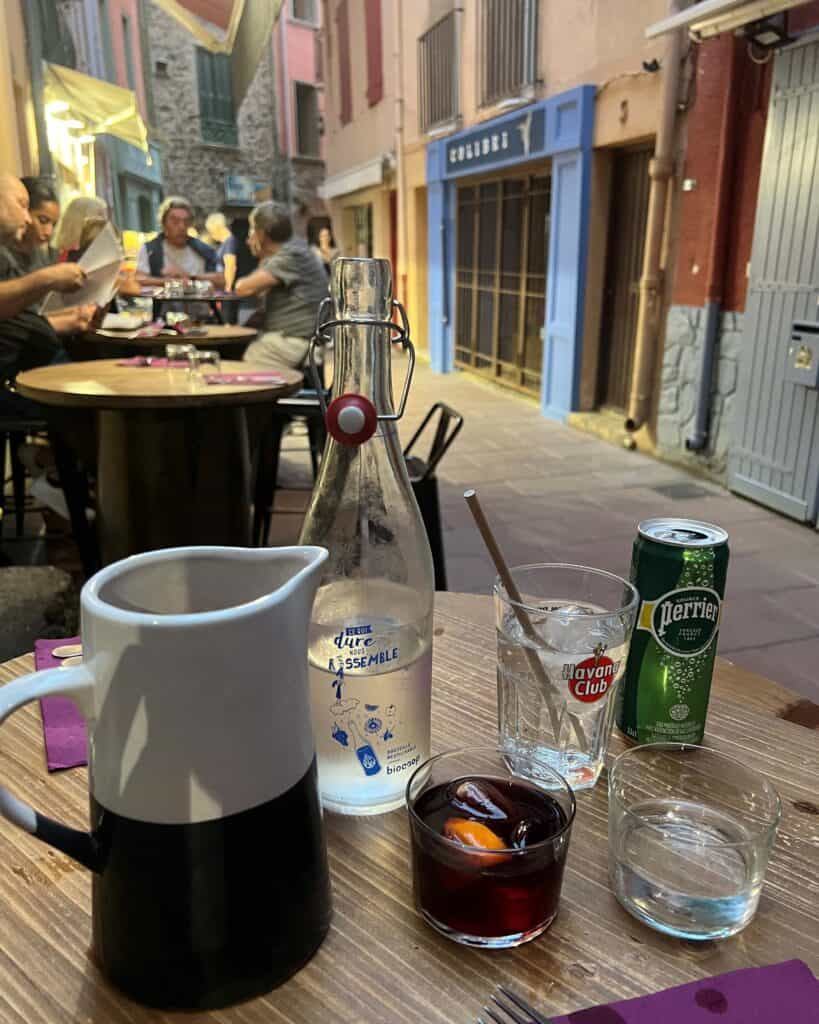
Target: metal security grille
x,y
507,41
500,279
624,261
438,73
775,455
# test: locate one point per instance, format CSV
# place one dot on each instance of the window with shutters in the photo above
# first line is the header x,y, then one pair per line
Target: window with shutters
x,y
308,122
375,58
217,118
345,85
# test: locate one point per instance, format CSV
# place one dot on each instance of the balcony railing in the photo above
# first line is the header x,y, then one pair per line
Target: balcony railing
x,y
438,73
507,46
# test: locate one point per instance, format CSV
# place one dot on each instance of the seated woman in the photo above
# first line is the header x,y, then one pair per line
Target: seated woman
x,y
71,223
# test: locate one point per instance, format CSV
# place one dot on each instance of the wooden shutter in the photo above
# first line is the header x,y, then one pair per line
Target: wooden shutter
x,y
375,56
345,85
217,117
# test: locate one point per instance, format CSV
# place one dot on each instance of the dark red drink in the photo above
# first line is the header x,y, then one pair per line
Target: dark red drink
x,y
488,856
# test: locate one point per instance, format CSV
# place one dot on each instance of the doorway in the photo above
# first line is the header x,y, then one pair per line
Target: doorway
x,y
628,213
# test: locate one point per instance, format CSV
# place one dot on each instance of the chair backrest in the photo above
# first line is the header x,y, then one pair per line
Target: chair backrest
x,y
446,430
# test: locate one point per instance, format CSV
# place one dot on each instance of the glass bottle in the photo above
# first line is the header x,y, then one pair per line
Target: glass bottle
x,y
370,646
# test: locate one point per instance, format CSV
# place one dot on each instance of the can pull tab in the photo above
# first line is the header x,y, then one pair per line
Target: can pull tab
x,y
352,424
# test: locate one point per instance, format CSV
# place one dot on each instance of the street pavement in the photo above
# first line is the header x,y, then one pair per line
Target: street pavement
x,y
552,493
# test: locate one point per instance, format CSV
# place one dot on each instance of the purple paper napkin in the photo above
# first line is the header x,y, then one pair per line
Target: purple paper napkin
x,y
786,992
244,378
66,740
157,362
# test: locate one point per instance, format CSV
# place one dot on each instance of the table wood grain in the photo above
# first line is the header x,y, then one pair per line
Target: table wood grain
x,y
380,962
103,384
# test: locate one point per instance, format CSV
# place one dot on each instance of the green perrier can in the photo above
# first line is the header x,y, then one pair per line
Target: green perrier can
x,y
678,566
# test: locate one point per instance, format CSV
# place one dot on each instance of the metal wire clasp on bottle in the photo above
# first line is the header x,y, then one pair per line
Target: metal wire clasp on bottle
x,y
352,419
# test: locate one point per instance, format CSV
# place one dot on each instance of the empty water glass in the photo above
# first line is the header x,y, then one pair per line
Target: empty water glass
x,y
690,834
202,361
176,352
562,651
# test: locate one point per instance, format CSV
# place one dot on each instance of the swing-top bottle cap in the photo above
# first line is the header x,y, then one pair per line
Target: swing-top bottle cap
x,y
361,289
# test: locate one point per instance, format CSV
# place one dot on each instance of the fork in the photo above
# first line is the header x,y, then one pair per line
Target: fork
x,y
509,1005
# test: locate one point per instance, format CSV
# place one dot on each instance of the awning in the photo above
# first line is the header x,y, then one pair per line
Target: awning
x,y
238,27
103,109
353,180
712,17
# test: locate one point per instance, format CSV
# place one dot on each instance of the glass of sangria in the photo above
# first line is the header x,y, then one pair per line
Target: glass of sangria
x,y
490,832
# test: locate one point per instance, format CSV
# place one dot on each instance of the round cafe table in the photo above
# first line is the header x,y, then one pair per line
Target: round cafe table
x,y
380,962
229,340
173,457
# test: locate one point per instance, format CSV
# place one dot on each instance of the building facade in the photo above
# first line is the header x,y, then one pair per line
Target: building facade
x,y
576,198
451,157
19,151
738,383
215,155
361,133
300,101
135,175
87,101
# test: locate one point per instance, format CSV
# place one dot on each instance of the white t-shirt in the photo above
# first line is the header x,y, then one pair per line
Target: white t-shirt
x,y
185,259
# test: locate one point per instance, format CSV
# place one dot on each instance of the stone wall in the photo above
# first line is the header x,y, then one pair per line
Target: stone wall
x,y
678,397
191,167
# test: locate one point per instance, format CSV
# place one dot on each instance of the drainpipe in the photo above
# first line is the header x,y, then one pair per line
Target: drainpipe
x,y
660,170
288,101
714,291
401,211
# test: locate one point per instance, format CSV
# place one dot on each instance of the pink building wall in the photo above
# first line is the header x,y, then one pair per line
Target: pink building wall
x,y
297,64
130,9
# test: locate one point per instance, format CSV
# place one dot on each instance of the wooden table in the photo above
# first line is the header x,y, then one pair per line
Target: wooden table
x,y
380,962
227,299
227,339
173,459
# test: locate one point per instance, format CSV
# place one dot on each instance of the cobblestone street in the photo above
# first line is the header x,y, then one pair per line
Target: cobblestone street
x,y
553,493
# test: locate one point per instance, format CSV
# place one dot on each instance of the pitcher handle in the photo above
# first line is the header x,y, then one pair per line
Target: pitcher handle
x,y
77,684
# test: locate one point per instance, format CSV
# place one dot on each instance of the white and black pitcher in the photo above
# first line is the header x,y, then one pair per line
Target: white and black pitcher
x,y
210,879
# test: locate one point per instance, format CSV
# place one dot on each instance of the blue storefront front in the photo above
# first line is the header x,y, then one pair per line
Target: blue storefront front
x,y
508,210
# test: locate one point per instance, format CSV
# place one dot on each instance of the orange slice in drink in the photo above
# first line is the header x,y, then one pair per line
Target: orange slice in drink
x,y
476,836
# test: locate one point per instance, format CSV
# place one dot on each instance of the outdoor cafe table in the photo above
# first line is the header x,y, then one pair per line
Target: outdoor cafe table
x,y
380,962
230,340
218,302
173,458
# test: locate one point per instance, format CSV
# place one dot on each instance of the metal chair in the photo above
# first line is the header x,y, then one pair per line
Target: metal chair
x,y
425,483
13,432
304,404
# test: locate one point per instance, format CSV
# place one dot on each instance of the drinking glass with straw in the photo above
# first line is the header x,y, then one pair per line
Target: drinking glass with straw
x,y
563,638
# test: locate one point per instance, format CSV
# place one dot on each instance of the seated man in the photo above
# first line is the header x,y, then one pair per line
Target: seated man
x,y
293,281
176,254
26,338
